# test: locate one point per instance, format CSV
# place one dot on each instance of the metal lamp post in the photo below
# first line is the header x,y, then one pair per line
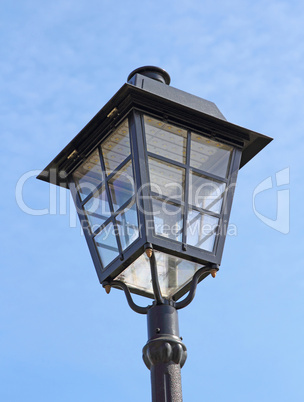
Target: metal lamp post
x,y
152,176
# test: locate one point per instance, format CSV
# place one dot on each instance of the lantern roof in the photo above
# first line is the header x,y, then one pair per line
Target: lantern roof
x,y
157,98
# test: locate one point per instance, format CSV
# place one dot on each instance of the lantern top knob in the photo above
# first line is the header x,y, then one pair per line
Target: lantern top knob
x,y
156,73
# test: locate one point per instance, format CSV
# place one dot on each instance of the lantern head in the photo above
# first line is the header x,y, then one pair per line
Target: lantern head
x,y
155,168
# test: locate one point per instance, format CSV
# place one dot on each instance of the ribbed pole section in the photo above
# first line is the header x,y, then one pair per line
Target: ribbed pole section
x,y
164,354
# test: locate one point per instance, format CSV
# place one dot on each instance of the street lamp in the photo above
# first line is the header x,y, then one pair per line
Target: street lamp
x,y
152,176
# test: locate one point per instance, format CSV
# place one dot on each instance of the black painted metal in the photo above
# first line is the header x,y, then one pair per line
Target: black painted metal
x,y
143,171
186,195
137,168
153,72
155,282
164,354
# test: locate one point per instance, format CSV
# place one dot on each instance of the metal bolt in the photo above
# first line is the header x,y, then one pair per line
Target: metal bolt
x,y
157,330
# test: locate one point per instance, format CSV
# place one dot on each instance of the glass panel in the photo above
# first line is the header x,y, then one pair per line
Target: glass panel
x,y
206,193
165,140
201,230
122,186
168,219
107,245
128,226
209,156
116,148
173,273
138,275
167,180
97,209
89,175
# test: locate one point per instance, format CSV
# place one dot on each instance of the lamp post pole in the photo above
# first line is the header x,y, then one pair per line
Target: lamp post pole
x,y
164,354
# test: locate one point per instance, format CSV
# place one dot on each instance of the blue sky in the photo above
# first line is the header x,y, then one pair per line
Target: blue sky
x,y
61,337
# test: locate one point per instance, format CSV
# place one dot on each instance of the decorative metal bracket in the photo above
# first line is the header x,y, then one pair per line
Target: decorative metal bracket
x,y
159,300
124,287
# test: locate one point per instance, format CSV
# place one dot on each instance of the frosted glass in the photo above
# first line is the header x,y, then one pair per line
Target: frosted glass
x,y
173,274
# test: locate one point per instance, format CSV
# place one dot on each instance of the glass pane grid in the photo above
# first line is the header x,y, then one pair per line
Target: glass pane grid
x,y
113,216
106,187
201,230
124,219
107,194
206,193
165,139
202,171
203,211
208,175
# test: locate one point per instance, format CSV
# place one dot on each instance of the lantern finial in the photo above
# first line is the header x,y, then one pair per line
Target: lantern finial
x,y
156,73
